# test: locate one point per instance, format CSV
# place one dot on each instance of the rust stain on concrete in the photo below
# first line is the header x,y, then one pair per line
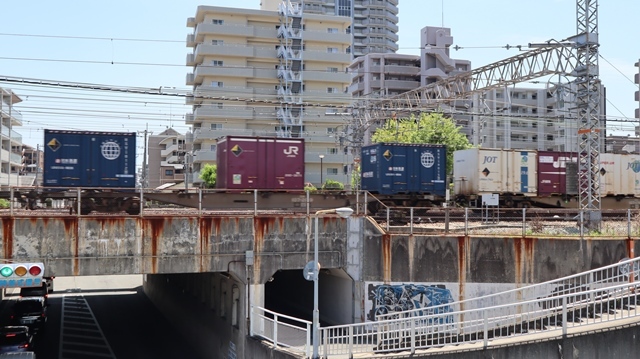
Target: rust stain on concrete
x,y
7,237
462,268
71,233
156,229
386,258
517,252
205,235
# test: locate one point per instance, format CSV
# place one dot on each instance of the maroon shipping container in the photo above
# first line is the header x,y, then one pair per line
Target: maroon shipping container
x,y
552,172
260,163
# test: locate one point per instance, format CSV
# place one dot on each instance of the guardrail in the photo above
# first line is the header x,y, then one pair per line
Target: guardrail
x,y
568,305
281,330
562,306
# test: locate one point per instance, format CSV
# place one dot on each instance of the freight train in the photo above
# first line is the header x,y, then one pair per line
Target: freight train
x,y
414,176
102,166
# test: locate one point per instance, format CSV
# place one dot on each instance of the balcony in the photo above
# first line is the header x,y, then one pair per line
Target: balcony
x,y
325,76
230,112
13,113
338,57
170,149
402,70
238,50
191,40
401,84
205,156
7,133
233,30
203,134
319,36
221,71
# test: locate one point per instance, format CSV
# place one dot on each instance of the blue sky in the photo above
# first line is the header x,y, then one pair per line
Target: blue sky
x,y
77,41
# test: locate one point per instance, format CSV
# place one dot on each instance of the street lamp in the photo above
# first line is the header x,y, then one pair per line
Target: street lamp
x,y
343,212
321,158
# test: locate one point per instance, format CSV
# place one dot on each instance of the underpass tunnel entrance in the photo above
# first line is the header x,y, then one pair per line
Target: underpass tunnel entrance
x,y
291,294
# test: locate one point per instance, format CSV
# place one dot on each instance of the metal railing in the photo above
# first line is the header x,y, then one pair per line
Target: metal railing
x,y
520,222
586,301
281,330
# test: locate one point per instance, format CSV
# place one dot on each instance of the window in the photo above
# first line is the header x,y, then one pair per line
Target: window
x,y
217,63
331,130
549,137
168,172
332,50
217,42
332,171
217,105
216,126
217,21
213,148
332,90
217,84
332,30
332,69
332,151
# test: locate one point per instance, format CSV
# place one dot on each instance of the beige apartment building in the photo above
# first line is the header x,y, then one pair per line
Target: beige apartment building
x,y
11,148
270,73
167,159
374,26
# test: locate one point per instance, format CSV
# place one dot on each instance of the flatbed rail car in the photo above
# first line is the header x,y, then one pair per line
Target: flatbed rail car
x,y
117,200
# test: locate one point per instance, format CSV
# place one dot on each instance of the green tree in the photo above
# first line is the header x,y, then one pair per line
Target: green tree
x,y
355,178
431,128
209,175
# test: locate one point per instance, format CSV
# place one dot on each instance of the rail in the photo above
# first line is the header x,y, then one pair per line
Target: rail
x,y
569,305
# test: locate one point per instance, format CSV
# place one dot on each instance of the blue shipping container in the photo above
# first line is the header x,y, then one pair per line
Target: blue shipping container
x,y
397,168
89,159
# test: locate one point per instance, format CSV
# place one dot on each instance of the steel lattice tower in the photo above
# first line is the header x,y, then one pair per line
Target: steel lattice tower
x,y
588,109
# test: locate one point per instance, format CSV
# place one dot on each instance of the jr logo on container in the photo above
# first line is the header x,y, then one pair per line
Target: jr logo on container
x,y
292,151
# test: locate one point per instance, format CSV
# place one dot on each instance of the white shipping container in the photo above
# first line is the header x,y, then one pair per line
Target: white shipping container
x,y
482,171
619,174
610,174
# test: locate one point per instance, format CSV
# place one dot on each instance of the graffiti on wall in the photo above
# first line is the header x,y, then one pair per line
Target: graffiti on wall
x,y
396,298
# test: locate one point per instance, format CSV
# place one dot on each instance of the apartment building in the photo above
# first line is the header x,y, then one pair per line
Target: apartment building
x,y
167,158
32,166
374,26
11,141
270,73
540,118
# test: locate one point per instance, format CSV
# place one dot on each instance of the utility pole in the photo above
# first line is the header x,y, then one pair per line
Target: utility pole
x,y
144,183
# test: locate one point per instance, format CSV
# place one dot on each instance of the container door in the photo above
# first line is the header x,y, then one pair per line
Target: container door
x,y
393,160
286,161
433,161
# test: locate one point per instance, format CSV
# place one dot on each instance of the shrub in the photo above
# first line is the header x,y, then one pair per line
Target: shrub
x,y
331,184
